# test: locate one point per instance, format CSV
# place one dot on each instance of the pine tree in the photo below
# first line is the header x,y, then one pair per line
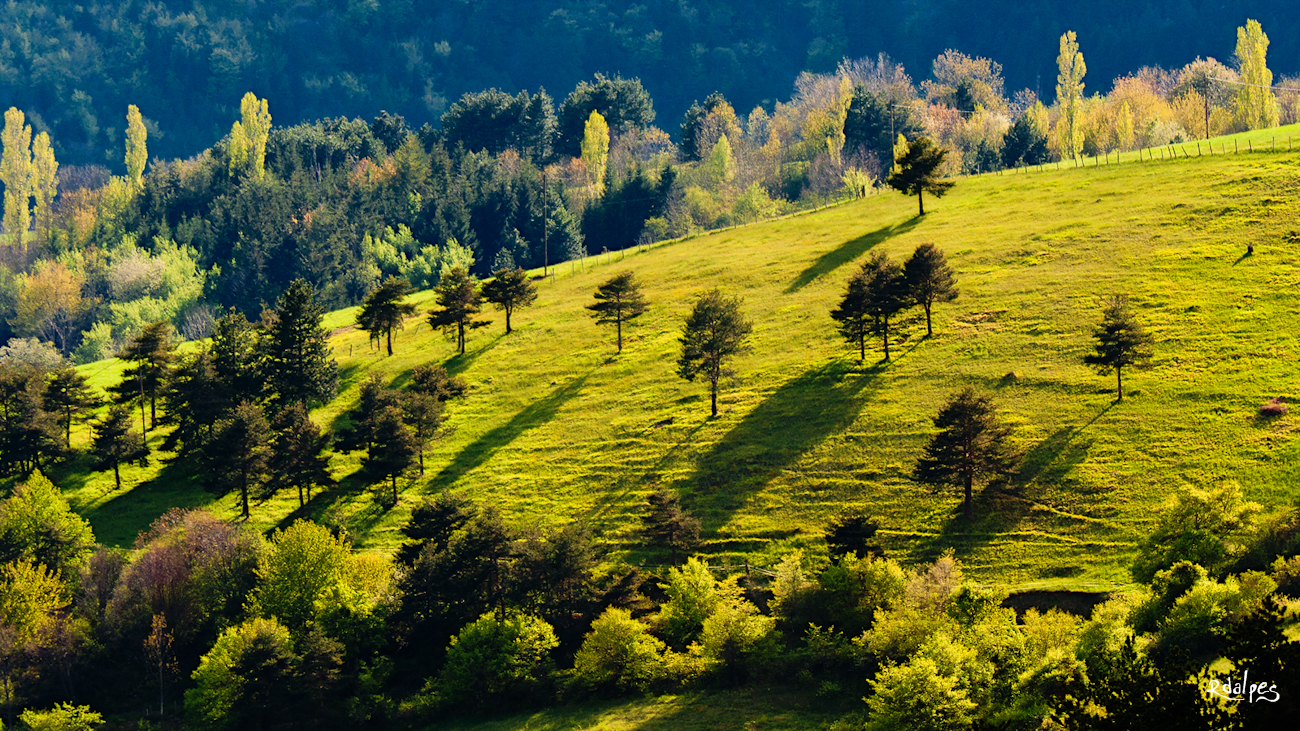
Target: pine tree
x,y
296,364
510,290
1121,341
619,301
881,293
437,382
28,432
236,360
1069,96
239,454
423,413
137,153
668,525
374,398
458,303
194,400
69,394
297,453
394,447
384,310
970,445
713,334
853,313
918,172
151,353
929,279
114,444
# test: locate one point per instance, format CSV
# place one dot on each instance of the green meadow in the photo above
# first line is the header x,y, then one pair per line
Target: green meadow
x,y
557,427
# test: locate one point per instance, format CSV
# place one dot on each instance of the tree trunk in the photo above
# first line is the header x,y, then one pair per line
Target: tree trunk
x,y
970,508
301,502
862,347
886,338
421,460
460,336
243,498
117,474
390,341
153,412
1119,382
920,204
394,490
928,330
713,395
619,324
69,426
507,321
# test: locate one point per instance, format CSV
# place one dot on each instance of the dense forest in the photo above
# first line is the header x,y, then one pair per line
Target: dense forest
x,y
75,66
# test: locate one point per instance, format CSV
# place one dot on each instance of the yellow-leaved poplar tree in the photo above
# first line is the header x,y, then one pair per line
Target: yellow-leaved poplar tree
x,y
1069,96
595,151
1124,126
137,154
248,137
45,184
16,174
1256,103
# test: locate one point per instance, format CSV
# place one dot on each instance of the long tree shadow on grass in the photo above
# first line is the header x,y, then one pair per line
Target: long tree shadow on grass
x,y
797,417
1000,507
847,252
534,415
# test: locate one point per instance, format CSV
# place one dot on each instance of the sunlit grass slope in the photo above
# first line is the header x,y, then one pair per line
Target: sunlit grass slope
x,y
557,427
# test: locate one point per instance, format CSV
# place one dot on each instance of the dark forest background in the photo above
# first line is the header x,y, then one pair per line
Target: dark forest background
x,y
75,66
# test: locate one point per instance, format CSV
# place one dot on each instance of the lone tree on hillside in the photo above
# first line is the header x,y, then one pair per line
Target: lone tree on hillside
x,y
714,332
619,301
239,454
875,293
297,453
918,171
668,525
929,279
70,396
1121,341
297,365
970,445
510,290
114,443
384,310
458,303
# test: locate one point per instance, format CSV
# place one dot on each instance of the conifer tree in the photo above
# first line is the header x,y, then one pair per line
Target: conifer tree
x,y
437,382
877,292
394,447
619,301
115,445
668,525
509,290
374,398
854,314
69,394
713,334
1121,341
384,309
971,445
28,432
236,360
1069,96
150,353
918,172
239,454
296,363
423,413
195,400
458,302
297,453
929,279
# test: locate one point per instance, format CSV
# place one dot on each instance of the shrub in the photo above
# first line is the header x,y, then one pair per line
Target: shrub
x,y
1286,573
62,717
619,653
492,657
734,634
693,595
916,697
1203,527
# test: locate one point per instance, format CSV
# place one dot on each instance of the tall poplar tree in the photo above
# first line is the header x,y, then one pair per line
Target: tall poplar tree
x,y
137,154
1069,96
45,184
248,137
1256,103
16,174
595,151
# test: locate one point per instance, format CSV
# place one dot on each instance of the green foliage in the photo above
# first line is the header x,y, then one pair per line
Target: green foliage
x,y
595,151
297,365
137,152
619,301
1205,527
114,443
693,596
495,658
302,573
735,638
248,137
62,717
508,290
1121,341
714,333
16,174
971,445
918,172
874,294
929,279
1069,95
619,653
383,311
1256,104
298,458
917,697
238,456
244,678
29,594
622,103
495,121
458,302
669,526
37,524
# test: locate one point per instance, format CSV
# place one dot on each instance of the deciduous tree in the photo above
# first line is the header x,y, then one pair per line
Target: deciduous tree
x,y
16,174
971,445
1069,96
384,310
1121,341
714,333
45,185
509,290
595,152
1256,103
619,301
929,279
458,303
918,171
137,152
248,137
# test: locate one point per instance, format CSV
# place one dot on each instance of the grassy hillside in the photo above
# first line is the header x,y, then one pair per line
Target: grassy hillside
x,y
557,427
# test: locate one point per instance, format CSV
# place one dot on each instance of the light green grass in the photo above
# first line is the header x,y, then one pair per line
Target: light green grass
x,y
557,427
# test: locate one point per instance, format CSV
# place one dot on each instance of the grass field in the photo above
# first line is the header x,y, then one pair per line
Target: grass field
x,y
557,427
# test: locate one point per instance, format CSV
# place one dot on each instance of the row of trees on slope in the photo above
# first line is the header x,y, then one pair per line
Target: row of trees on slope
x,y
211,625
517,180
